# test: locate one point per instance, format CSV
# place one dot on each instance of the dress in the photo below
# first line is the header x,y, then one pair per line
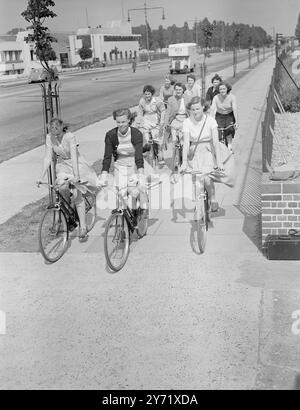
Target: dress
x,y
64,168
204,158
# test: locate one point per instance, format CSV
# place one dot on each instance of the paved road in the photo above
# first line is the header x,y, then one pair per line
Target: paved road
x,y
85,98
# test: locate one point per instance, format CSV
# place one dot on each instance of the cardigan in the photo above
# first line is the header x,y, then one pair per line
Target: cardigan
x,y
112,142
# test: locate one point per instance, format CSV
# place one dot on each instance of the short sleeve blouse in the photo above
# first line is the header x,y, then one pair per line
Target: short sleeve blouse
x,y
62,149
193,128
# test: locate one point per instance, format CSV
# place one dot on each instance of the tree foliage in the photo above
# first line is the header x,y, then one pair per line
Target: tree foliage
x,y
297,29
215,34
36,13
85,53
15,31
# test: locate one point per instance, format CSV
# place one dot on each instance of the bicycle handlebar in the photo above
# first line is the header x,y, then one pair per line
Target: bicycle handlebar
x,y
233,125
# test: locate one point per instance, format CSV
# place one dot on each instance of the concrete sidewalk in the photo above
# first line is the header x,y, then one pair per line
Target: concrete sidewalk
x,y
171,319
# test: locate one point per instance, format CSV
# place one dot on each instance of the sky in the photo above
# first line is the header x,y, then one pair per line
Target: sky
x,y
273,15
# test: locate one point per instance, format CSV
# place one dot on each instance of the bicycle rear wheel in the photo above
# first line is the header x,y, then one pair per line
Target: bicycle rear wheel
x,y
53,234
142,222
201,216
116,241
90,211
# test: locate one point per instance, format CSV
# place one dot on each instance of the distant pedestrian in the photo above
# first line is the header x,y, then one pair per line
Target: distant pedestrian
x,y
134,65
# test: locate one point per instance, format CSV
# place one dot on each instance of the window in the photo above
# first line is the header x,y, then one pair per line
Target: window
x,y
31,55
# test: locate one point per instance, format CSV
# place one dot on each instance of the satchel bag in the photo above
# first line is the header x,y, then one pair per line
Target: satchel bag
x,y
192,150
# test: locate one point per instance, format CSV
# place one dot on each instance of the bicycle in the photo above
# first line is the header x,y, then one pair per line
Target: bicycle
x,y
120,226
202,206
61,218
222,137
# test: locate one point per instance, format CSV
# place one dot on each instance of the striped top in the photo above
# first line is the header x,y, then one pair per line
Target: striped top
x,y
125,149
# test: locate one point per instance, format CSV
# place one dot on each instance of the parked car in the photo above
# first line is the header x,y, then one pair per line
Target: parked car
x,y
40,75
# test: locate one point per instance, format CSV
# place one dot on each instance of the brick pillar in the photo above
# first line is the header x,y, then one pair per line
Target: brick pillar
x,y
280,206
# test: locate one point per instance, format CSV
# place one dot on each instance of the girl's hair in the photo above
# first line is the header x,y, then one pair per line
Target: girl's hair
x,y
197,100
191,76
59,122
149,89
228,86
216,77
124,111
178,84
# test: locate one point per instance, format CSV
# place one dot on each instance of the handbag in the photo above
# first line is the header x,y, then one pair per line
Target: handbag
x,y
192,151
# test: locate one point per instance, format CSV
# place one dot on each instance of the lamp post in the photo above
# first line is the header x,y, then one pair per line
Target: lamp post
x,y
145,10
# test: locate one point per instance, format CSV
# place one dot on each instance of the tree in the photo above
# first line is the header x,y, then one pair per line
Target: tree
x,y
207,29
36,13
14,31
85,53
297,29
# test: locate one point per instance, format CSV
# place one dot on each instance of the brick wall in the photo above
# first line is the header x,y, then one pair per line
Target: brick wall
x,y
280,206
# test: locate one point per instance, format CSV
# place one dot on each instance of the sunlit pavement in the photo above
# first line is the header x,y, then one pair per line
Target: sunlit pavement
x,y
171,318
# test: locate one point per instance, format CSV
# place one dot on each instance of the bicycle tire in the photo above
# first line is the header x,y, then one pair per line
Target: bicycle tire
x,y
53,234
176,159
142,223
119,234
90,211
202,224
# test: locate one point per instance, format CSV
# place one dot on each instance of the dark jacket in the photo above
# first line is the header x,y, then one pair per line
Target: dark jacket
x,y
112,142
211,93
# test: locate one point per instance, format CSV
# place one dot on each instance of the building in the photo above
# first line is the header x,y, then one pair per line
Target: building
x,y
11,56
30,59
115,41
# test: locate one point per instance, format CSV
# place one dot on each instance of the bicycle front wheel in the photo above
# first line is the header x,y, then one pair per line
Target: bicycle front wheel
x,y
53,234
116,241
202,223
176,159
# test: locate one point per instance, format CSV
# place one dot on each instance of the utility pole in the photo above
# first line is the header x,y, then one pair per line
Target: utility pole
x,y
145,9
87,17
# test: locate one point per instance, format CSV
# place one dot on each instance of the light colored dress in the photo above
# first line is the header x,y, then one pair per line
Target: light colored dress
x,y
204,158
64,167
151,118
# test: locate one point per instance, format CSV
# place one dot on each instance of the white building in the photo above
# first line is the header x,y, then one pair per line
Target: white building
x,y
115,41
11,56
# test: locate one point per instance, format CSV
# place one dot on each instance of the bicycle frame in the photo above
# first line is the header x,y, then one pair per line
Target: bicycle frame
x,y
221,130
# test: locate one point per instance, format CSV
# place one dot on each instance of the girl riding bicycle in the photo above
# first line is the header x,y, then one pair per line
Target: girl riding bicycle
x,y
150,118
70,165
200,139
224,109
125,144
